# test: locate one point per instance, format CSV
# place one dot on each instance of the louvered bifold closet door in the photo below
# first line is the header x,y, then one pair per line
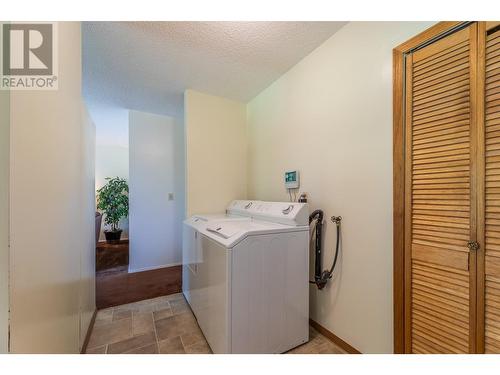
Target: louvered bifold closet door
x,y
439,202
492,153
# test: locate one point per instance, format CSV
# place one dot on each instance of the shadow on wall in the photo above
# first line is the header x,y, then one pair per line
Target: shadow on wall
x,y
4,218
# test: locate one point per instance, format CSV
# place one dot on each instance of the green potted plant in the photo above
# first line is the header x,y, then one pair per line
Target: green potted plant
x,y
112,201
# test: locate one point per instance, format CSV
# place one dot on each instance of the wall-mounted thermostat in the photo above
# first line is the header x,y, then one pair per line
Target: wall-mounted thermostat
x,y
292,179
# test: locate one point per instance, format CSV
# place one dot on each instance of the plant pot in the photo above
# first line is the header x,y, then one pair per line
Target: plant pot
x,y
113,236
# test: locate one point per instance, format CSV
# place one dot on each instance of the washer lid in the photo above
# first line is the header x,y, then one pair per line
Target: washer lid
x,y
197,221
230,233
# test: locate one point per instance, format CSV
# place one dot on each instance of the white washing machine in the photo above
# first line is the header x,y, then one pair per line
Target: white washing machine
x,y
191,251
246,276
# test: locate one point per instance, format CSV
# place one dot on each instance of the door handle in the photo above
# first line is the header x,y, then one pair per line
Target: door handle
x,y
473,245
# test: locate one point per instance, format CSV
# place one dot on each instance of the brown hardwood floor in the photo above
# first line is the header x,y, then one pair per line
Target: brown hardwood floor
x,y
111,255
117,286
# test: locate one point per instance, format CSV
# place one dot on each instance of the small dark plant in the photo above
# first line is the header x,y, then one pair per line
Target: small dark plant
x,y
112,201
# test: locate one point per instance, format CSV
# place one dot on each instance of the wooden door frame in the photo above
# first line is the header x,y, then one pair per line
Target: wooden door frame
x,y
482,29
399,174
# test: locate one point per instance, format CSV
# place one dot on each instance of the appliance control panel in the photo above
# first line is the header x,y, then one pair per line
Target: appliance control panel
x,y
289,213
241,207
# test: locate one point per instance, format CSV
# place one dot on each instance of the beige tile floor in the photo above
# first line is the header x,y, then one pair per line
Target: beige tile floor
x,y
166,325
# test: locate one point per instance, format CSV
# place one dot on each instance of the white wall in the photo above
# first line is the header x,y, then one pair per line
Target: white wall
x,y
4,219
215,152
111,161
330,117
112,149
111,141
87,196
156,169
50,196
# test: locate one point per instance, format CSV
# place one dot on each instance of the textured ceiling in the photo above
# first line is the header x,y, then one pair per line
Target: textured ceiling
x,y
148,65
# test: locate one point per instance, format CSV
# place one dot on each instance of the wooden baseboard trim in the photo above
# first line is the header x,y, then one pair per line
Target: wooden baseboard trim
x,y
89,332
331,336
